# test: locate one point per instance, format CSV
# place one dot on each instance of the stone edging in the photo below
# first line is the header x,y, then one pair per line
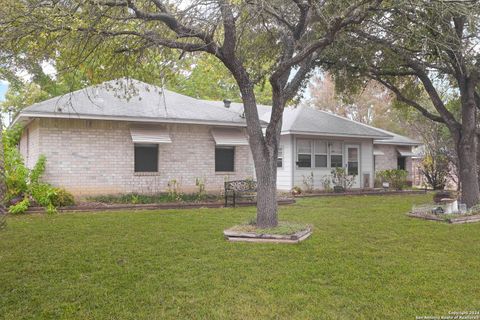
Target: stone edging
x,y
459,220
237,236
360,193
157,206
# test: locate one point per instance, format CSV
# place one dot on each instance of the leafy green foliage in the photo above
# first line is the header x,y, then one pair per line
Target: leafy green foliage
x,y
16,174
20,207
22,182
395,177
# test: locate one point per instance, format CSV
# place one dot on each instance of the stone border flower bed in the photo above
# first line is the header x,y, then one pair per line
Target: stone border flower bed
x,y
241,236
449,219
85,207
360,193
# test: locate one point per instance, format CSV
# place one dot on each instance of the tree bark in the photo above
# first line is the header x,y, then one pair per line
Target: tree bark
x,y
3,187
467,146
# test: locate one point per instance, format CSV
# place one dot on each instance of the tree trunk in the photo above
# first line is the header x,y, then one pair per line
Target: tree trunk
x,y
264,151
3,187
467,147
267,192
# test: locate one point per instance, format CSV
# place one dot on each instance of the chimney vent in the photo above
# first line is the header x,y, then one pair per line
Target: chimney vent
x,y
226,103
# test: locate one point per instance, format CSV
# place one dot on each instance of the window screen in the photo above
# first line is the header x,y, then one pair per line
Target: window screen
x,y
304,153
336,155
320,154
280,157
146,158
225,159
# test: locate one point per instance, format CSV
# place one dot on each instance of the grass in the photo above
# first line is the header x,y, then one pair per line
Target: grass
x,y
365,260
283,228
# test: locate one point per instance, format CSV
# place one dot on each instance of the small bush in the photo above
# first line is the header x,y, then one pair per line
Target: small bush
x,y
308,182
395,177
296,190
201,193
20,207
340,178
61,198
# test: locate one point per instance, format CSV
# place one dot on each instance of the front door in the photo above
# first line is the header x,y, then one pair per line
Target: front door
x,y
353,163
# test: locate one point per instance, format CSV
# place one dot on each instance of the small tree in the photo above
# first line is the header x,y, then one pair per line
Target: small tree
x,y
435,169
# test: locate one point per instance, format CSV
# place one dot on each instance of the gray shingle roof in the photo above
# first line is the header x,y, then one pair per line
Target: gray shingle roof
x,y
134,100
305,120
397,139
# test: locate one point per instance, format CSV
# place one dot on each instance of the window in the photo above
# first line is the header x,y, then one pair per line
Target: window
x,y
336,155
280,157
146,157
320,154
304,153
224,159
401,163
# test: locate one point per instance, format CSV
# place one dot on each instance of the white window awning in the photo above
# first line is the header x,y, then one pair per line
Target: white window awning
x,y
405,153
378,152
150,134
229,137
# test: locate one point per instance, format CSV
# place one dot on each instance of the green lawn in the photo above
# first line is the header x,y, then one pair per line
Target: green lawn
x,y
365,260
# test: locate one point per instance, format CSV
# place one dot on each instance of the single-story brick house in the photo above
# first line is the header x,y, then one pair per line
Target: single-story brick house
x,y
128,136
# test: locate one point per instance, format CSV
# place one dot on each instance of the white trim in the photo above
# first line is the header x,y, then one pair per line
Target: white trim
x,y
405,153
377,152
229,137
391,143
325,134
150,134
129,119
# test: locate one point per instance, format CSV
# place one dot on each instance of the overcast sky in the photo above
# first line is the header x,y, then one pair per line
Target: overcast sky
x,y
3,88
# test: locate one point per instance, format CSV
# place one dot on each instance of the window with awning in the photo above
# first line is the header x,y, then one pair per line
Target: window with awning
x,y
150,134
229,137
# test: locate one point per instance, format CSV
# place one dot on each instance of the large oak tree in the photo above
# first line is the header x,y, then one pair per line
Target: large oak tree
x,y
280,41
417,47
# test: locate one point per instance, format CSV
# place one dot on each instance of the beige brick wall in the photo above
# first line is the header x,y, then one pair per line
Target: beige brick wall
x,y
97,157
389,159
30,143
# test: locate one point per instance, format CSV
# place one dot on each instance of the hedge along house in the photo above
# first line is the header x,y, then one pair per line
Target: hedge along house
x,y
128,136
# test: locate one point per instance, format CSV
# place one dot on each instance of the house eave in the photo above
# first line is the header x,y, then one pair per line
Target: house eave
x,y
329,134
28,115
392,143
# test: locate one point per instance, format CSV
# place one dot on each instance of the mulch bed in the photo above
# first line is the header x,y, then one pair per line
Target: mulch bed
x,y
87,207
237,236
454,220
361,193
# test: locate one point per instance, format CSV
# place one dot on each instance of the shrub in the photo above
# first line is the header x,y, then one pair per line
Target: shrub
x,y
173,190
20,207
308,182
48,196
62,198
327,184
201,193
340,178
296,190
396,178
